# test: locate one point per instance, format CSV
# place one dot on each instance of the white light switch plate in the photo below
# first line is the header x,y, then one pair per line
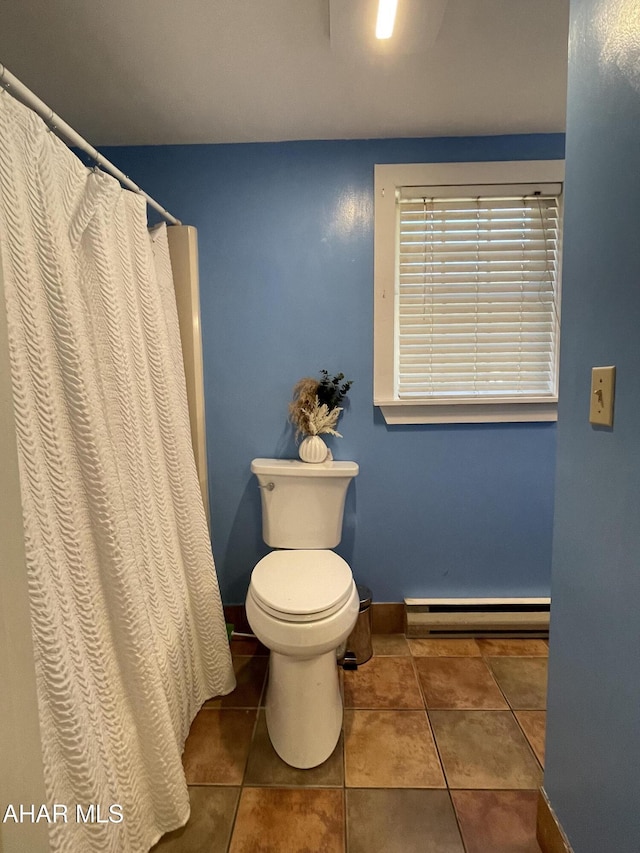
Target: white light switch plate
x,y
603,380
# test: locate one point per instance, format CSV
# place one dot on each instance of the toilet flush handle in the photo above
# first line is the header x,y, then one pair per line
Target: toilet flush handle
x,y
268,486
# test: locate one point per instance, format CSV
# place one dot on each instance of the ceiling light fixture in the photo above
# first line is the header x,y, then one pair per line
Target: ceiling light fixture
x,y
386,18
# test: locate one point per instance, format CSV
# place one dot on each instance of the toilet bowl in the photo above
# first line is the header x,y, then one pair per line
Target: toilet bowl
x,y
302,603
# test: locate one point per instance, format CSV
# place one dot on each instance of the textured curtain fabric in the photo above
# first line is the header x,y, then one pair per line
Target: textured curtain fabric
x,y
127,623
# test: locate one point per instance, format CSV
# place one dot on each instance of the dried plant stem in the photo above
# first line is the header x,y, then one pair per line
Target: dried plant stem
x,y
307,414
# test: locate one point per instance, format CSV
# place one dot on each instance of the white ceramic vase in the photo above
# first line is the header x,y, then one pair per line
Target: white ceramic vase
x,y
313,449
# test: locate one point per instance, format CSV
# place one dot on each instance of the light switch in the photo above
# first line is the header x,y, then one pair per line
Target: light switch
x,y
603,380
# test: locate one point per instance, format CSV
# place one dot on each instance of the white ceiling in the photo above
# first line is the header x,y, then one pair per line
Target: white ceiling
x,y
186,71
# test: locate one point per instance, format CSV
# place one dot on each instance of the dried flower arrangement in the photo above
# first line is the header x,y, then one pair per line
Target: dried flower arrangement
x,y
315,407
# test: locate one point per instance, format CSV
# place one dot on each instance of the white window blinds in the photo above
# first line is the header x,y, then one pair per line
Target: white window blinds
x,y
477,292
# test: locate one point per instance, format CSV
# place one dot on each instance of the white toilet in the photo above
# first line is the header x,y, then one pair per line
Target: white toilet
x,y
302,603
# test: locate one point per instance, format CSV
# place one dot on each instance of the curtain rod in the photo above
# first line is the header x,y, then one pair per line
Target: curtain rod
x,y
20,92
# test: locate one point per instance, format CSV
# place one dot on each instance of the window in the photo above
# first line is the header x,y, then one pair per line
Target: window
x,y
467,291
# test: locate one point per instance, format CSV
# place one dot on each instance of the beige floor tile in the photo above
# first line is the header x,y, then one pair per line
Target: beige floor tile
x,y
390,749
209,827
462,682
390,644
522,680
250,677
514,647
484,749
217,747
401,821
280,820
265,767
534,724
445,648
383,682
497,821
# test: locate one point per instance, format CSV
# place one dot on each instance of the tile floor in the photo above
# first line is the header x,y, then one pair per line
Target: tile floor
x,y
441,752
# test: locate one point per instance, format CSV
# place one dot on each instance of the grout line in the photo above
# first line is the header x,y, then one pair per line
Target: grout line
x,y
246,763
264,685
526,737
496,682
437,748
235,817
345,822
435,743
417,678
431,729
344,759
457,819
255,729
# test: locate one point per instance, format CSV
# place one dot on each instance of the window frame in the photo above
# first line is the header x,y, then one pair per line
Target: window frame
x,y
387,179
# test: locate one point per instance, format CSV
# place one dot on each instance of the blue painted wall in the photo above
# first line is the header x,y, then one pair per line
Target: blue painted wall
x,y
286,249
593,734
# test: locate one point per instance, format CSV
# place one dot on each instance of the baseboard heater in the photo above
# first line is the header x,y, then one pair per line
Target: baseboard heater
x,y
477,617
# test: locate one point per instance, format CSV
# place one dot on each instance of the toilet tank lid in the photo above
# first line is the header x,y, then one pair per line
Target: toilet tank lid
x,y
296,468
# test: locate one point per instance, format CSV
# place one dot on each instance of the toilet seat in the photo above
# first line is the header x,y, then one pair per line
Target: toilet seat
x,y
301,585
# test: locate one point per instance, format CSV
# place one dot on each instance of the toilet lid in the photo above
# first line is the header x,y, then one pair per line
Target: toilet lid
x,y
301,585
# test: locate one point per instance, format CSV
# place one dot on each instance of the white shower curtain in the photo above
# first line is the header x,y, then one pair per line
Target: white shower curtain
x,y
127,623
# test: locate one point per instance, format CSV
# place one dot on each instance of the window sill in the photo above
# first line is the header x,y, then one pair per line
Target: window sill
x,y
396,412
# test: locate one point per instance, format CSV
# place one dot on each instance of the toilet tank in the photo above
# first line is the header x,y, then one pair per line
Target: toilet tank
x,y
302,503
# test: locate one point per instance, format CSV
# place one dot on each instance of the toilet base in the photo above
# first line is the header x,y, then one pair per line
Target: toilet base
x,y
304,707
